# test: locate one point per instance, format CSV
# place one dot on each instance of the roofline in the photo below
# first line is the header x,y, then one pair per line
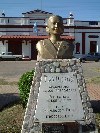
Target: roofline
x,y
37,10
86,21
3,37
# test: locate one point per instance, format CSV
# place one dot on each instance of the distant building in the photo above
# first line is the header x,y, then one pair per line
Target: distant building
x,y
20,34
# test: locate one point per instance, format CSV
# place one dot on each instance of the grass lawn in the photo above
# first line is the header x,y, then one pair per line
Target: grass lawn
x,y
11,119
4,82
95,80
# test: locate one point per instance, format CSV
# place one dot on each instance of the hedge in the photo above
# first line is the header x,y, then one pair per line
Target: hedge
x,y
24,85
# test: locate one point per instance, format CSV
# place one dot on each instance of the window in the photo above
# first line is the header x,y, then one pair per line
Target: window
x,y
1,20
93,36
77,48
93,45
93,23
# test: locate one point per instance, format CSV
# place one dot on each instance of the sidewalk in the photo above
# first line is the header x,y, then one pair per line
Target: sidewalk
x,y
94,94
94,91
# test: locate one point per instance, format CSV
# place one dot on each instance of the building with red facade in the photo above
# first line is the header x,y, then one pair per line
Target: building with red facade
x,y
19,35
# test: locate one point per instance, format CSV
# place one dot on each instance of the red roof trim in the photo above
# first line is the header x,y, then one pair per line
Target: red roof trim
x,y
32,37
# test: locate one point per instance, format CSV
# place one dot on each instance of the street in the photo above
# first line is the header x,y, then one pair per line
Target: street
x,y
12,70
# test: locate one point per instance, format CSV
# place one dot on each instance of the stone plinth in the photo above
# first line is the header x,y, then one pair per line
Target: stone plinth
x,y
58,95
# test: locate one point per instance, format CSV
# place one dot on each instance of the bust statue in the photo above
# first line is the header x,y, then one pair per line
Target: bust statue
x,y
54,47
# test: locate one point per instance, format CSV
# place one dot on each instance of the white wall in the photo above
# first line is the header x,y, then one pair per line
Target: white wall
x,y
81,23
20,31
37,15
87,41
18,21
26,48
78,39
3,47
39,22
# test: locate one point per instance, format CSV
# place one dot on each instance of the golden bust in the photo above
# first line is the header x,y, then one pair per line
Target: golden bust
x,y
54,47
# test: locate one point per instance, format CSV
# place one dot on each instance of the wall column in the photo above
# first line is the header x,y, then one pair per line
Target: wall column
x,y
83,42
97,48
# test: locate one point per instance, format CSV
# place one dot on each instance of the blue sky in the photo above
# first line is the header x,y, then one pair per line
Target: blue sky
x,y
81,9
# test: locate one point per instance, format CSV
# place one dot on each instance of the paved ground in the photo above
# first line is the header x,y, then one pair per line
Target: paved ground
x,y
12,71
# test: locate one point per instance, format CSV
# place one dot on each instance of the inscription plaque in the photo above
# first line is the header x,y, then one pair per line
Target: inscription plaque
x,y
59,99
53,129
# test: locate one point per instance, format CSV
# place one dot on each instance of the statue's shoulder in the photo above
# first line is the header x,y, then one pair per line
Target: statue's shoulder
x,y
39,44
67,44
64,43
42,44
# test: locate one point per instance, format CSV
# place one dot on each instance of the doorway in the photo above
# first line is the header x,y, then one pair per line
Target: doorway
x,y
93,45
15,47
34,50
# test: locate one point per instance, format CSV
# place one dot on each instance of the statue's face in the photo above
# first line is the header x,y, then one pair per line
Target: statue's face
x,y
55,25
